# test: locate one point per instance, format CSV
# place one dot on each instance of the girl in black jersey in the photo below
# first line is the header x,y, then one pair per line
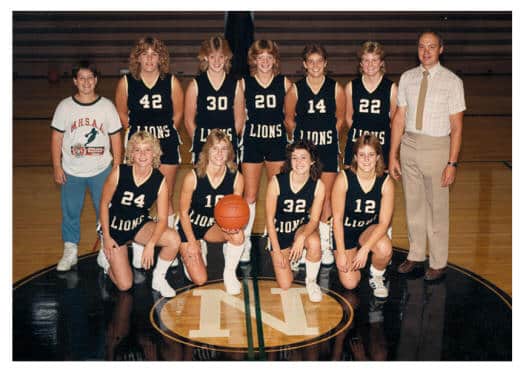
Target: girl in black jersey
x,y
128,194
264,138
293,205
215,175
214,99
362,207
149,98
315,110
371,101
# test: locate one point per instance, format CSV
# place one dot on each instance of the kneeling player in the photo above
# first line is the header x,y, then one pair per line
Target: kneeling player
x,y
128,194
293,206
215,175
362,207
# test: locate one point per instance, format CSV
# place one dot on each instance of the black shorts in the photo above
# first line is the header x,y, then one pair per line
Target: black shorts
x,y
123,237
258,150
351,237
198,231
170,148
285,240
329,158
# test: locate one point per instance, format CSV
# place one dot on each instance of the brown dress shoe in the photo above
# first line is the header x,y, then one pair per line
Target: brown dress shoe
x,y
407,266
434,274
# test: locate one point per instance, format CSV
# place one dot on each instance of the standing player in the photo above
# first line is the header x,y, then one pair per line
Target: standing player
x,y
85,127
362,208
264,138
371,101
214,99
149,98
128,194
215,175
293,206
319,105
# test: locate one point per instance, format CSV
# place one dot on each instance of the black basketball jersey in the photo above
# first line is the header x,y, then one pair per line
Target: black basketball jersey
x,y
150,108
362,209
293,208
264,107
205,197
371,110
130,204
316,113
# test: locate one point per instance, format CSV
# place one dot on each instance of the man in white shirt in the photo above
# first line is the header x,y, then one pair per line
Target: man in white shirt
x,y
427,129
85,127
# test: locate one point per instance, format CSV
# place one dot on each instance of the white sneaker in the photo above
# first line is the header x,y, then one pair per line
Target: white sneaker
x,y
137,250
313,290
246,254
327,257
69,258
160,284
377,283
231,283
102,261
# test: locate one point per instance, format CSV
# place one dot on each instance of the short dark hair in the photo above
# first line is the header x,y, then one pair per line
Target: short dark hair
x,y
84,65
434,33
315,171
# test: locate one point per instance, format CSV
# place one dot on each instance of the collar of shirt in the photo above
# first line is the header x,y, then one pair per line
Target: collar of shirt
x,y
432,70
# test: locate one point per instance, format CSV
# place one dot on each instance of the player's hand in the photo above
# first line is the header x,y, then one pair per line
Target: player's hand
x,y
297,248
341,261
279,259
230,231
147,259
59,176
394,168
193,253
360,260
448,175
109,245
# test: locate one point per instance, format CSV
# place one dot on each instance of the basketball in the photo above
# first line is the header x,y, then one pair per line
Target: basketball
x,y
232,212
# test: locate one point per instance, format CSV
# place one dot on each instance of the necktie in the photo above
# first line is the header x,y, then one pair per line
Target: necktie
x,y
420,101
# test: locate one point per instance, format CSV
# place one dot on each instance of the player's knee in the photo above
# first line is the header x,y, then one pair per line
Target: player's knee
x,y
284,284
124,285
199,278
237,239
384,249
250,198
349,282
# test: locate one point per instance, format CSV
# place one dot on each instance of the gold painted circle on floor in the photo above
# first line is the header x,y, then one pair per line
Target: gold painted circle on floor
x,y
209,317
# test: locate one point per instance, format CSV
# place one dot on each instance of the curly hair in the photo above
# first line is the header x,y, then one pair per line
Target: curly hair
x,y
214,137
214,44
141,47
259,47
316,166
372,141
372,47
147,138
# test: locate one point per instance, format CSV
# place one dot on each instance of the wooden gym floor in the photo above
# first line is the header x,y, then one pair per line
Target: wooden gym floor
x,y
480,237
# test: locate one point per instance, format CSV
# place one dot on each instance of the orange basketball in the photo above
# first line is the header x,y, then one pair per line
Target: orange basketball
x,y
232,212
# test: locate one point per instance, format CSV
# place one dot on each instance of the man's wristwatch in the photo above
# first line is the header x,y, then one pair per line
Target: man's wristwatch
x,y
453,163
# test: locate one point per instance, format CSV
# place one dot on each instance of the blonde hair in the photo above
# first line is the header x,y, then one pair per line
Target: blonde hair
x,y
141,47
214,137
372,141
259,47
214,44
146,138
375,48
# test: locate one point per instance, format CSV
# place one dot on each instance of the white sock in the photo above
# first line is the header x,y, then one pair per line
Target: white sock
x,y
161,267
171,221
376,272
231,260
324,234
312,269
251,222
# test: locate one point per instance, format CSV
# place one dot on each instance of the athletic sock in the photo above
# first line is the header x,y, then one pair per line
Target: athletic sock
x,y
231,260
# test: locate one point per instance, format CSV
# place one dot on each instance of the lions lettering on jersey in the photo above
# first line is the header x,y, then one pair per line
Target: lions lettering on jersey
x,y
126,225
159,131
204,133
319,137
265,131
356,133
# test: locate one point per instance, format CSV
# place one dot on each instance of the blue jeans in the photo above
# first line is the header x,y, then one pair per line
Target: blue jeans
x,y
72,197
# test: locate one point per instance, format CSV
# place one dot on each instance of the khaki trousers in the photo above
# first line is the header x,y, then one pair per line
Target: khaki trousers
x,y
423,159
